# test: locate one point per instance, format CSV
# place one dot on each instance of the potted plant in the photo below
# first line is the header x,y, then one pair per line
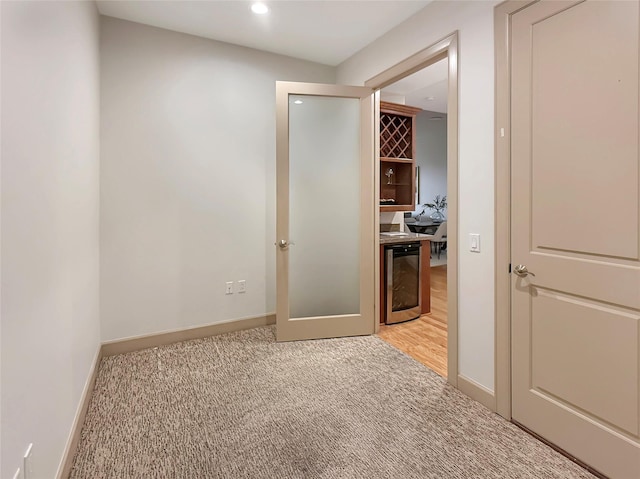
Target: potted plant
x,y
438,205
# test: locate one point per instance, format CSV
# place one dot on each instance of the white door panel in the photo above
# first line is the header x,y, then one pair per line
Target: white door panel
x,y
576,226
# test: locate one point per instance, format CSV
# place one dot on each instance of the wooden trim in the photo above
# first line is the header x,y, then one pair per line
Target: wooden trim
x,y
389,107
396,160
445,48
425,276
64,469
138,343
282,197
396,208
477,392
452,211
428,56
287,88
382,302
369,229
502,142
378,261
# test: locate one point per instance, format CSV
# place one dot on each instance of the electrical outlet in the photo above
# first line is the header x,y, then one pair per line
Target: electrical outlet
x,y
229,289
242,286
26,464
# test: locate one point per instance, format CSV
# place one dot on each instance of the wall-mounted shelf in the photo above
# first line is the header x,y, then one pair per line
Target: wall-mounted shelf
x,y
397,157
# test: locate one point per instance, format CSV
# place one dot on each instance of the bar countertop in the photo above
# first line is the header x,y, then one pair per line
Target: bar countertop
x,y
405,238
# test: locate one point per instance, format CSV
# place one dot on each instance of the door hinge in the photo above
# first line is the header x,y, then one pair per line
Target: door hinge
x,y
509,267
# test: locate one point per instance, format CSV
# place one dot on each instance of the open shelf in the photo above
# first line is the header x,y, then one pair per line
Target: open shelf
x,y
397,164
395,160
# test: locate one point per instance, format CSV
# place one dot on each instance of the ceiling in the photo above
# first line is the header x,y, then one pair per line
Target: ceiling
x,y
426,89
328,31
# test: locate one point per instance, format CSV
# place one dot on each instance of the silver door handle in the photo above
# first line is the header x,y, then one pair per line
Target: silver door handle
x,y
284,244
522,271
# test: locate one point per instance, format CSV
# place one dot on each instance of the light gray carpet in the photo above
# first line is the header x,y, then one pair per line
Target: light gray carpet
x,y
241,405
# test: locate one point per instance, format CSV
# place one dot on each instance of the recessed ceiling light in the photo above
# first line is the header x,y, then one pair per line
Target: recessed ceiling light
x,y
259,8
298,102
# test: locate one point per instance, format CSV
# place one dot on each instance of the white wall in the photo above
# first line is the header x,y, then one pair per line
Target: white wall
x,y
187,177
50,229
431,157
474,21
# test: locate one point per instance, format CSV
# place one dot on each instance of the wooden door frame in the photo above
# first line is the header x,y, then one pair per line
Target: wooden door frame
x,y
502,152
444,48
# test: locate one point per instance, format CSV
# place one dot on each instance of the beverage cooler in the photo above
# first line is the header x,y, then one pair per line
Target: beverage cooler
x,y
403,287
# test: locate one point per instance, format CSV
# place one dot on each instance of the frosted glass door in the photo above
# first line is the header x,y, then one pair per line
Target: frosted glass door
x,y
325,211
324,206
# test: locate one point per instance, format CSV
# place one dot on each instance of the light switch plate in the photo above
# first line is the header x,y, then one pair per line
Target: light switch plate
x,y
242,286
229,287
474,239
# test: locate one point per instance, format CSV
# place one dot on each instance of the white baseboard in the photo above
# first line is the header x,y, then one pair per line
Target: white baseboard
x,y
64,469
137,343
477,392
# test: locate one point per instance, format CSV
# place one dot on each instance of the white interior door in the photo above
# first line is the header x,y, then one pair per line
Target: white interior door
x,y
576,228
325,211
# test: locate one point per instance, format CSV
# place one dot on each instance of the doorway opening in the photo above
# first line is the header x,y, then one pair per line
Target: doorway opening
x,y
426,81
425,338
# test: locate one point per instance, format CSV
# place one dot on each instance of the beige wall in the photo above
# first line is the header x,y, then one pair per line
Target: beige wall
x,y
50,166
187,177
474,21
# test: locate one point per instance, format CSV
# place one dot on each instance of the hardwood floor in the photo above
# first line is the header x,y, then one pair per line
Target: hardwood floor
x,y
425,338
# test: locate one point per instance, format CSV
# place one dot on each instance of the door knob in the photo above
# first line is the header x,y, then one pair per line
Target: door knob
x,y
522,271
284,244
